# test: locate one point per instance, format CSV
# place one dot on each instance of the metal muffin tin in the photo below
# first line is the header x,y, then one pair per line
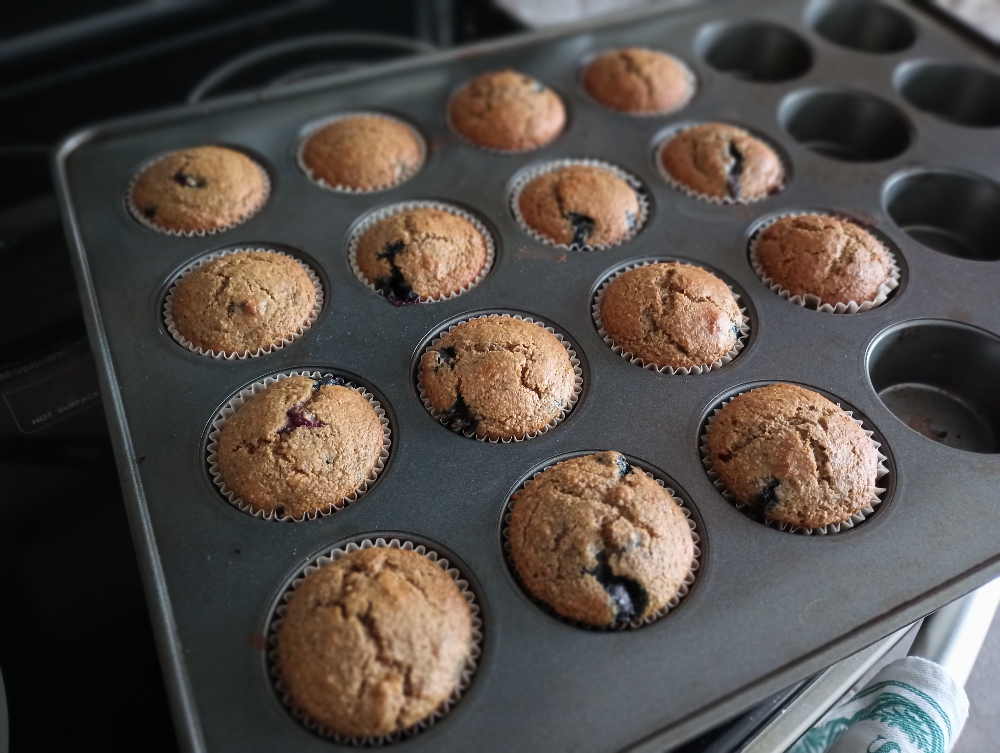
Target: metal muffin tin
x,y
768,608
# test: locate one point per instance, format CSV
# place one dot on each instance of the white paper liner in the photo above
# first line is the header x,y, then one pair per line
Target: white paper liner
x,y
168,315
689,77
139,217
574,398
315,126
831,528
685,586
245,394
632,358
634,183
809,300
386,212
492,150
670,134
277,616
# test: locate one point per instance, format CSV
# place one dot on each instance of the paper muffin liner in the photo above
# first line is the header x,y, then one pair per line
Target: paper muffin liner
x,y
139,217
277,617
672,133
570,404
168,315
689,77
528,176
317,125
685,586
809,300
386,212
491,150
831,528
236,402
741,341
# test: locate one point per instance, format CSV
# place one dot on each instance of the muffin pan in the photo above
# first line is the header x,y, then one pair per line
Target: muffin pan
x,y
869,132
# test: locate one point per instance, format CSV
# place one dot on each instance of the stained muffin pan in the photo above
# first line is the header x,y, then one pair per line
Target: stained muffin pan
x,y
868,132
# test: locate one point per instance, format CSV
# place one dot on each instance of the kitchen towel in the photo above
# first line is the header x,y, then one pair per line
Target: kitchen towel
x,y
911,706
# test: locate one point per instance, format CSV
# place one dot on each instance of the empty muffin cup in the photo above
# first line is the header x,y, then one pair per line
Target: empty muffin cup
x,y
279,610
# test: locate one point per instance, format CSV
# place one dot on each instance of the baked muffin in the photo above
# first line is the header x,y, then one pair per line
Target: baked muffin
x,y
723,162
421,254
580,205
362,153
374,642
300,446
793,456
638,81
832,259
243,302
599,541
199,190
498,376
670,314
507,111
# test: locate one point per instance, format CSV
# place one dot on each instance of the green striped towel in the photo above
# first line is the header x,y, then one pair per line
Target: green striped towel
x,y
910,706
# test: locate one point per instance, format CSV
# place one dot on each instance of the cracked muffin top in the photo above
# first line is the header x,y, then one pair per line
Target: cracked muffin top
x,y
793,456
374,642
670,314
508,111
498,376
198,190
580,205
243,302
363,153
300,446
724,162
421,254
600,541
638,81
834,260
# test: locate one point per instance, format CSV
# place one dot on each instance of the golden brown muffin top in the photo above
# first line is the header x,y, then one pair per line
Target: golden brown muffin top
x,y
374,642
363,153
600,541
793,456
635,80
300,446
508,111
202,189
722,161
498,376
580,205
671,314
832,259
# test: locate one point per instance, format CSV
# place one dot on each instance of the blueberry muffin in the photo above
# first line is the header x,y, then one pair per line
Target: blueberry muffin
x,y
199,190
832,259
580,205
243,302
374,642
421,254
499,377
671,314
600,541
638,81
723,162
362,153
507,111
300,446
793,456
